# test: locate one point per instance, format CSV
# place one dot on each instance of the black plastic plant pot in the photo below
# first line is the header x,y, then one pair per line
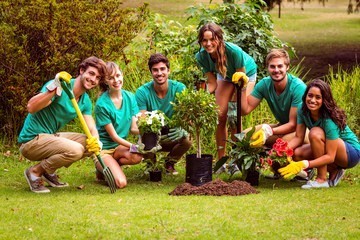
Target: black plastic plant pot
x,y
252,177
198,170
155,176
149,140
165,130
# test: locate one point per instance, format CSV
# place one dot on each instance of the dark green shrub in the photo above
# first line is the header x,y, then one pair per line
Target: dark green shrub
x,y
40,38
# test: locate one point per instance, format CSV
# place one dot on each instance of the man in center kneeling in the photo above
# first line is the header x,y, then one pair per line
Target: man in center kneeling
x,y
157,95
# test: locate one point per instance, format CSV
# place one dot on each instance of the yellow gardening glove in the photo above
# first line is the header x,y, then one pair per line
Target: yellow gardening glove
x,y
55,85
293,168
259,137
93,145
240,78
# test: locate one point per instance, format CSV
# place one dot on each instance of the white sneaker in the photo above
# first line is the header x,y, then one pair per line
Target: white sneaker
x,y
315,184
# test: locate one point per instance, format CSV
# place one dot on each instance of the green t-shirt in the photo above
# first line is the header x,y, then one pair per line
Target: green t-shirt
x,y
236,58
121,119
53,117
147,99
280,104
332,131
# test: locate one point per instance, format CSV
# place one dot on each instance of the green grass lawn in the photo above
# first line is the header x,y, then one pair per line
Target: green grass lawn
x,y
144,210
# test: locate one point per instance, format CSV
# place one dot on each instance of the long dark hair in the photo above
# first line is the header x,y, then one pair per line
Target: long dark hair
x,y
329,109
217,33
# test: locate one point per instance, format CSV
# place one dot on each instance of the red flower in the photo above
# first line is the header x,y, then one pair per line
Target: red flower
x,y
289,152
279,153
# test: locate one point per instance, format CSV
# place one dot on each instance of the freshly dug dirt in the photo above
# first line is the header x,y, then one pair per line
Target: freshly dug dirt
x,y
215,188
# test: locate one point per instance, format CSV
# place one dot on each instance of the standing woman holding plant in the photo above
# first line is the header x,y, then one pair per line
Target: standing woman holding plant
x,y
115,112
220,60
333,146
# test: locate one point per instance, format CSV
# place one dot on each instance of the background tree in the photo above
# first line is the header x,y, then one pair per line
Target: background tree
x,y
40,38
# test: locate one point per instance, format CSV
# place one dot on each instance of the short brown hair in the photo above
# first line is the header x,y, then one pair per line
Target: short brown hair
x,y
157,58
95,62
278,53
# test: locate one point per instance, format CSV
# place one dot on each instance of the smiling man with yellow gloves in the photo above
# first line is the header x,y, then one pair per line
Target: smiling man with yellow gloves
x,y
283,92
51,110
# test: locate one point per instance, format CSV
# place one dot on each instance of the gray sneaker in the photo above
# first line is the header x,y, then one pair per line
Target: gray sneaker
x,y
36,186
54,180
339,175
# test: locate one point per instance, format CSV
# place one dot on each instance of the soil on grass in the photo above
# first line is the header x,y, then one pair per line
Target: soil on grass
x,y
215,188
319,63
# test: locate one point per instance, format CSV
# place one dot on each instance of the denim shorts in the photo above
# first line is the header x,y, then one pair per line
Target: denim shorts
x,y
353,155
252,78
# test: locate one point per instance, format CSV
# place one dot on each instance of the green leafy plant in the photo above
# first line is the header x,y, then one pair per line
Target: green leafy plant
x,y
196,112
245,157
151,121
40,38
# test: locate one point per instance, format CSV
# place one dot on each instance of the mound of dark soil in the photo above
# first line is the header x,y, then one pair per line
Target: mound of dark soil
x,y
215,188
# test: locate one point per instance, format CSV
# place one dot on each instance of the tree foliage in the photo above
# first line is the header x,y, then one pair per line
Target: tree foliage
x,y
41,37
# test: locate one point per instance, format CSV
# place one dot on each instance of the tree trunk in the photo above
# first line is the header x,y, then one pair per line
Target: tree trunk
x,y
198,145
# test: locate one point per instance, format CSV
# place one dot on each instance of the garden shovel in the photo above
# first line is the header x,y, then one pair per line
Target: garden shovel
x,y
238,107
65,84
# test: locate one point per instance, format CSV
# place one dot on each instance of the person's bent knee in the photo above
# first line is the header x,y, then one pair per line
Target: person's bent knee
x,y
136,158
121,183
316,134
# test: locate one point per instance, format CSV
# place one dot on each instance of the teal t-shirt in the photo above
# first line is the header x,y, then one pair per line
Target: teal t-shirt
x,y
53,117
236,58
106,113
332,131
280,104
147,99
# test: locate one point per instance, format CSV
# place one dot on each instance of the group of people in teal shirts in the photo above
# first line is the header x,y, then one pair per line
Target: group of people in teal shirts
x,y
307,116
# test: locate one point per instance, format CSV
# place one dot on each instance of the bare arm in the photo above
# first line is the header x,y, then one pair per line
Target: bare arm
x,y
298,140
287,127
91,125
248,103
134,128
40,101
115,137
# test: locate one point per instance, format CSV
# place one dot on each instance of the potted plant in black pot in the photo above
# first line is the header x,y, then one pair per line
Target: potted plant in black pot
x,y
150,125
196,112
245,157
155,169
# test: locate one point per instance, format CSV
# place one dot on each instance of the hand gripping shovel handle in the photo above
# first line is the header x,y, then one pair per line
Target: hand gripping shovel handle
x,y
106,171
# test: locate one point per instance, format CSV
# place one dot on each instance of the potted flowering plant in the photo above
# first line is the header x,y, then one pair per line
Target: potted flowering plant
x,y
279,156
150,125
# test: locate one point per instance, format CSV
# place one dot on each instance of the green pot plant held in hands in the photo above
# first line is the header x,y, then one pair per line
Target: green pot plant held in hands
x,y
197,113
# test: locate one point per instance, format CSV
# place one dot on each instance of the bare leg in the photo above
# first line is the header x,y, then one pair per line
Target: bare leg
x,y
123,155
113,165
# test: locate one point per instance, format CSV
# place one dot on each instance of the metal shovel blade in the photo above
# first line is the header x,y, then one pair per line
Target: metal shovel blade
x,y
109,179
